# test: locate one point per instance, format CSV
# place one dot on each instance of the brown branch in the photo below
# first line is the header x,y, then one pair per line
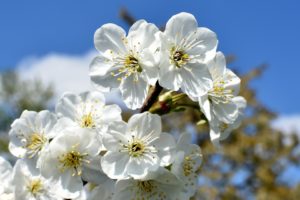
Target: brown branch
x,y
151,98
127,17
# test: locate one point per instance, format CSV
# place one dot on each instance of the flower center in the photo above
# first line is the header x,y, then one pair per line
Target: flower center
x,y
179,57
223,126
188,164
146,186
220,94
132,64
73,160
35,186
35,143
87,121
136,148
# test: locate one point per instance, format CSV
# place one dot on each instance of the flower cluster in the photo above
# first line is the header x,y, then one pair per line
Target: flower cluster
x,y
84,150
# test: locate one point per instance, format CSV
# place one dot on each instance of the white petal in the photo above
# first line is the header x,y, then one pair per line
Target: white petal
x,y
232,81
215,133
66,106
47,123
226,112
111,113
166,145
26,122
138,168
169,76
180,25
134,92
196,79
71,185
109,37
101,65
144,124
114,164
124,189
101,70
150,66
93,172
6,171
205,106
206,44
107,82
217,66
141,35
93,97
15,145
105,190
115,134
240,102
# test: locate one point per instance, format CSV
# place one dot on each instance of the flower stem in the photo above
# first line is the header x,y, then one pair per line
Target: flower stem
x,y
189,105
151,98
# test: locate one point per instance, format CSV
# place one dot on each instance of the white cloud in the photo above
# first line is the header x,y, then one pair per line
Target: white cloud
x,y
64,72
288,124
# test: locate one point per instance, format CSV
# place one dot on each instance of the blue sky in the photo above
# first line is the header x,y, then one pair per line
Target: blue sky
x,y
255,31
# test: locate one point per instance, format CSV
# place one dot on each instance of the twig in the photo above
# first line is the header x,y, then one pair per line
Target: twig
x,y
151,98
126,16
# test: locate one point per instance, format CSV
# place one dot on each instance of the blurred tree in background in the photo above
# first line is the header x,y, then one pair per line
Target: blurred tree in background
x,y
17,95
252,158
248,166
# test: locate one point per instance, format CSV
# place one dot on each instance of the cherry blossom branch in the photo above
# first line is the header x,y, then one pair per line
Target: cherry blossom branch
x,y
151,98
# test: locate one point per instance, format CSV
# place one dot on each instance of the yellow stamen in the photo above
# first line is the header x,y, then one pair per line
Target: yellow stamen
x,y
35,143
35,186
179,57
87,121
73,160
146,186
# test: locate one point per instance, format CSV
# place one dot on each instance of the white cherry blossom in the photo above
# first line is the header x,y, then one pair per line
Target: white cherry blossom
x,y
6,186
31,133
30,185
86,110
136,148
218,103
185,47
126,62
66,157
163,185
220,130
187,163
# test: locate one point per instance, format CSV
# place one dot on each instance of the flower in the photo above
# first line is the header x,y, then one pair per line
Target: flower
x,y
86,110
163,185
136,148
30,185
6,186
185,47
31,133
220,130
217,103
187,162
127,63
66,157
